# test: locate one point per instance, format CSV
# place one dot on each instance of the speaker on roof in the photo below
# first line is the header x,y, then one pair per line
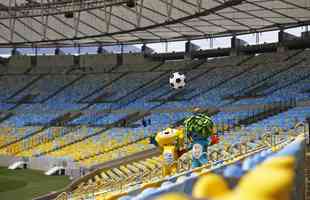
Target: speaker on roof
x,y
101,50
146,50
69,15
59,52
190,47
15,52
131,3
144,123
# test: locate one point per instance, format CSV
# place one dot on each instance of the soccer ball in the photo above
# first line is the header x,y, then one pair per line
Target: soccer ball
x,y
177,80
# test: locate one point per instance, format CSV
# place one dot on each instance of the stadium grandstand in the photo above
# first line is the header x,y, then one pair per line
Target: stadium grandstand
x,y
85,92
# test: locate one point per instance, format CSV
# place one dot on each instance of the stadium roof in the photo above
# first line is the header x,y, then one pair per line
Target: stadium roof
x,y
85,22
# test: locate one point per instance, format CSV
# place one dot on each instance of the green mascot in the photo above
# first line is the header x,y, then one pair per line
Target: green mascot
x,y
201,133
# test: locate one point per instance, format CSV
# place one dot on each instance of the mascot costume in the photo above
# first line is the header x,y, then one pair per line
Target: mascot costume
x,y
198,133
171,143
201,133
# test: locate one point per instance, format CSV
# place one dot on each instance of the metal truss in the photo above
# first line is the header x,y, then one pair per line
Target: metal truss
x,y
109,22
35,9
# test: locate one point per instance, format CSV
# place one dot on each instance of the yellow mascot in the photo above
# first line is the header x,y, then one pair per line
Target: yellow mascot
x,y
171,142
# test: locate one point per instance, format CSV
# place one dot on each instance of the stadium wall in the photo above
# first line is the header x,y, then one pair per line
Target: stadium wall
x,y
44,163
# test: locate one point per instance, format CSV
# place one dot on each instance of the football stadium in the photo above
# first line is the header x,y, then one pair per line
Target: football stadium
x,y
154,99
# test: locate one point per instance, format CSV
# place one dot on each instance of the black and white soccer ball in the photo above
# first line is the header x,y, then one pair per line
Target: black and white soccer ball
x,y
177,80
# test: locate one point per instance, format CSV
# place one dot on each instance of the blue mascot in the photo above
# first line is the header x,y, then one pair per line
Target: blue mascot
x,y
201,133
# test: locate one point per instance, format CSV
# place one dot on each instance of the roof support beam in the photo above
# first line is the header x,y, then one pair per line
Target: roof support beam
x,y
18,34
77,23
169,9
227,18
112,25
12,26
4,38
166,24
107,17
294,4
44,26
186,12
204,20
30,27
139,12
250,14
123,19
199,5
22,22
12,21
272,10
153,21
142,16
72,27
44,21
234,21
53,7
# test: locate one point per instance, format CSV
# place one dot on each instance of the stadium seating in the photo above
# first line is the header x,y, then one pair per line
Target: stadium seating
x,y
126,173
145,85
120,181
95,115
